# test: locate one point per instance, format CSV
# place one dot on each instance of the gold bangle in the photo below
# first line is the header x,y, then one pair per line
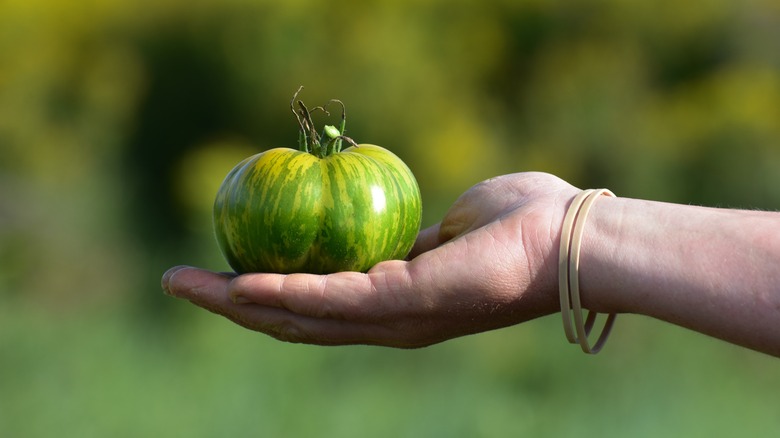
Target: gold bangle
x,y
568,274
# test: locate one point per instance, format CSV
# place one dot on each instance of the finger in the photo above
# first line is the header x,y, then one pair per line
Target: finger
x,y
337,309
209,290
427,240
287,326
192,283
319,296
167,277
344,295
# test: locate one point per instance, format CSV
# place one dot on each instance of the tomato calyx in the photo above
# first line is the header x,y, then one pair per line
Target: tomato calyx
x,y
322,144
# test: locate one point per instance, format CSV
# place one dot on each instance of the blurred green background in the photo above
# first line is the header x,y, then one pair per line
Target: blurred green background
x,y
118,120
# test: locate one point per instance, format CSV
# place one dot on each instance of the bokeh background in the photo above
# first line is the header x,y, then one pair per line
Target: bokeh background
x,y
118,120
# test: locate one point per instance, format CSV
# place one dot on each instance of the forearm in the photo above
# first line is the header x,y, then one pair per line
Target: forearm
x,y
716,271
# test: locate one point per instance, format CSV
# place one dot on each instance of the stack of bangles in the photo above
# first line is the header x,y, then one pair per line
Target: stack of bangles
x,y
568,274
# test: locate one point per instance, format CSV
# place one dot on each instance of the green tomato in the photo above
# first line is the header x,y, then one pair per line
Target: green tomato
x,y
287,210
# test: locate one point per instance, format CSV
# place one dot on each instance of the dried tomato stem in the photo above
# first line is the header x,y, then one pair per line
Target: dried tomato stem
x,y
308,138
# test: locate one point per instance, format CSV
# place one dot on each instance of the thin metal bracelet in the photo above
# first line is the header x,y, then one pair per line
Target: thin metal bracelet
x,y
568,274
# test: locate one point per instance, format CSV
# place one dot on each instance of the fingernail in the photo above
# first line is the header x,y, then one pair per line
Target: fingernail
x,y
166,278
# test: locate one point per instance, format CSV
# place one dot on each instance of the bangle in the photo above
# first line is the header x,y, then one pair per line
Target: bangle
x,y
568,274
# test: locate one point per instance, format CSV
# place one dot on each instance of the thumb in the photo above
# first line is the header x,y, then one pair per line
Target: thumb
x,y
427,240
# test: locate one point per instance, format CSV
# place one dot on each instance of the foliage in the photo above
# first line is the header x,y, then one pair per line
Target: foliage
x,y
118,121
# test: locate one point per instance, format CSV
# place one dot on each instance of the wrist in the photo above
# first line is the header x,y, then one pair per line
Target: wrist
x,y
601,282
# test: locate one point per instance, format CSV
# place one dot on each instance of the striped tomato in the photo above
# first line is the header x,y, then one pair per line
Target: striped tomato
x,y
317,209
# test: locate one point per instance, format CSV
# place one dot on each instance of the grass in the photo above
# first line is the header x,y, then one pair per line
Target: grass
x,y
201,376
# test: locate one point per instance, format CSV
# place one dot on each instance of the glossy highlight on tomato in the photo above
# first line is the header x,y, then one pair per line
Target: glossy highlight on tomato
x,y
286,210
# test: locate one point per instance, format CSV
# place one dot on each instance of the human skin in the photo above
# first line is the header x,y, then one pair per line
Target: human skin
x,y
492,262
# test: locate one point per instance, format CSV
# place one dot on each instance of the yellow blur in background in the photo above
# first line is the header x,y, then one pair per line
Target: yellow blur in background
x,y
118,121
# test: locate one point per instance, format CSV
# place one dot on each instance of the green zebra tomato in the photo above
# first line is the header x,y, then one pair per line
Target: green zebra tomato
x,y
287,210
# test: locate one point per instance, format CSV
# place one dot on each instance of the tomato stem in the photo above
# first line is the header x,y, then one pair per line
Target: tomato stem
x,y
308,138
303,140
342,127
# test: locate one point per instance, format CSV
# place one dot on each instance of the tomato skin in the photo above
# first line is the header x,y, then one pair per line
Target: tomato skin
x,y
285,211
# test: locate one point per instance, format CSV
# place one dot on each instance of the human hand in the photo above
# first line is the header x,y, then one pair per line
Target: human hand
x,y
490,263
